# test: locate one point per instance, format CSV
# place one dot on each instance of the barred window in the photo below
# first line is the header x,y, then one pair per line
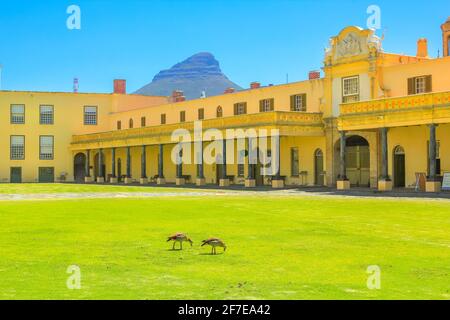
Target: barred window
x,y
17,148
90,115
17,114
46,114
350,89
46,147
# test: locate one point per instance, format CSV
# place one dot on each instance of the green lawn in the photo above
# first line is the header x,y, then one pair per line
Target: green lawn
x,y
278,248
34,188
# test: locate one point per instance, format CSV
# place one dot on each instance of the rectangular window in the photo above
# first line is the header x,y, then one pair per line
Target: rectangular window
x,y
17,148
298,102
119,125
240,108
90,116
143,122
201,114
294,162
46,147
46,115
163,118
266,105
182,116
350,89
419,85
17,114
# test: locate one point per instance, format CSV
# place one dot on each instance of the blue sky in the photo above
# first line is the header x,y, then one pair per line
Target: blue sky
x,y
254,40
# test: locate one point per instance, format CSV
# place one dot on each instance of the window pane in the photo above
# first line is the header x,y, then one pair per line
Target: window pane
x,y
17,147
46,115
46,148
17,114
90,115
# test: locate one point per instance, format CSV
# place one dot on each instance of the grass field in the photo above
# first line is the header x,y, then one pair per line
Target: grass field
x,y
278,247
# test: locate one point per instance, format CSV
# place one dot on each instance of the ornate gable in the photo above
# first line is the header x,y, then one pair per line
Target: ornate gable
x,y
352,43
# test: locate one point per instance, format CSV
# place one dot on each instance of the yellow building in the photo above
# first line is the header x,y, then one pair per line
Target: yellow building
x,y
375,119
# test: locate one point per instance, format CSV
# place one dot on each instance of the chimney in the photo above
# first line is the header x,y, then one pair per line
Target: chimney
x,y
75,85
229,90
178,96
120,86
314,75
422,48
255,85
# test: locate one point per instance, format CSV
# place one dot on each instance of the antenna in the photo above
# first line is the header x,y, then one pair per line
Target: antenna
x,y
287,77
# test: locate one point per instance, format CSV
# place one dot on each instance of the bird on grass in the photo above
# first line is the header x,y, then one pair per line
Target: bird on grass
x,y
180,238
214,242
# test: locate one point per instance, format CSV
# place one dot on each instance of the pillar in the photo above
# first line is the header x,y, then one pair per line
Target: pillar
x,y
100,178
128,178
277,181
342,182
384,183
224,181
113,178
433,183
179,181
161,179
250,182
87,168
144,179
200,181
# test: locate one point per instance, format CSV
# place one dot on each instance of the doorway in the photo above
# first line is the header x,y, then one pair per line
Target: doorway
x,y
318,168
357,154
46,174
79,167
16,175
399,167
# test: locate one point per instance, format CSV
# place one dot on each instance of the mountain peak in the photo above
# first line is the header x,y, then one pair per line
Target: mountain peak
x,y
200,72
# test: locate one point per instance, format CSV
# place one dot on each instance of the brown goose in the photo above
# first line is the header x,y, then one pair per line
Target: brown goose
x,y
214,242
179,237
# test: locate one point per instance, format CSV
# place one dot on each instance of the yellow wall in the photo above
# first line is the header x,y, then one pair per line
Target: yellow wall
x,y
281,95
68,121
396,77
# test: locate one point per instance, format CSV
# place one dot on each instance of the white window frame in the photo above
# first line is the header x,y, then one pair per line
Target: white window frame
x,y
350,91
266,105
420,85
299,104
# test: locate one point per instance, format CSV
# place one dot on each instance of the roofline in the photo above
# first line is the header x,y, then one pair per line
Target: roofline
x,y
226,94
79,93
